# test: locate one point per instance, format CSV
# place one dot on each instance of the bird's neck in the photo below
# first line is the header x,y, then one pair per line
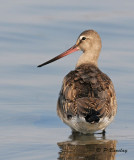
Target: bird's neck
x,y
88,58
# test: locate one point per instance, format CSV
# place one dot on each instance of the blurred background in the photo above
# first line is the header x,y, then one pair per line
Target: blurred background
x,y
34,31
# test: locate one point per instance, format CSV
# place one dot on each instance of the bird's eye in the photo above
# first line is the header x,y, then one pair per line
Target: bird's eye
x,y
83,38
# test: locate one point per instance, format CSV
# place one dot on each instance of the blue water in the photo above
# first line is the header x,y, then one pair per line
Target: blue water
x,y
32,32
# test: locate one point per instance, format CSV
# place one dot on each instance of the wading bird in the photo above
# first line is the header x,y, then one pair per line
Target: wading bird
x,y
87,100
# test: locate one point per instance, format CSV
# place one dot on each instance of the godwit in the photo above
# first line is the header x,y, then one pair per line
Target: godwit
x,y
87,100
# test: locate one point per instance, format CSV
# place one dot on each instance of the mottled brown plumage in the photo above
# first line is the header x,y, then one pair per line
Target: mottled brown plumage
x,y
87,92
87,101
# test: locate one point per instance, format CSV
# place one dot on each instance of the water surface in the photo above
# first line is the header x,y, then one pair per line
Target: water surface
x,y
31,32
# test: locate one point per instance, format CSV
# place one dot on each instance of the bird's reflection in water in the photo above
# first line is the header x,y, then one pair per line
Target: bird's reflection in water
x,y
87,147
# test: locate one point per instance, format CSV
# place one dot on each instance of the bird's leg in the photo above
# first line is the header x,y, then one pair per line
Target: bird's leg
x,y
74,132
103,132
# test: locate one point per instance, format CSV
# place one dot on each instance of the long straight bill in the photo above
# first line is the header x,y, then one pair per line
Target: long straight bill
x,y
69,51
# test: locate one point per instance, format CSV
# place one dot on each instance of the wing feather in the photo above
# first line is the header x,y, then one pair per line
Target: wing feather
x,y
87,92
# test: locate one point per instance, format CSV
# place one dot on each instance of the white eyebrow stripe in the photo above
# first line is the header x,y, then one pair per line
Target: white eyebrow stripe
x,y
82,37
